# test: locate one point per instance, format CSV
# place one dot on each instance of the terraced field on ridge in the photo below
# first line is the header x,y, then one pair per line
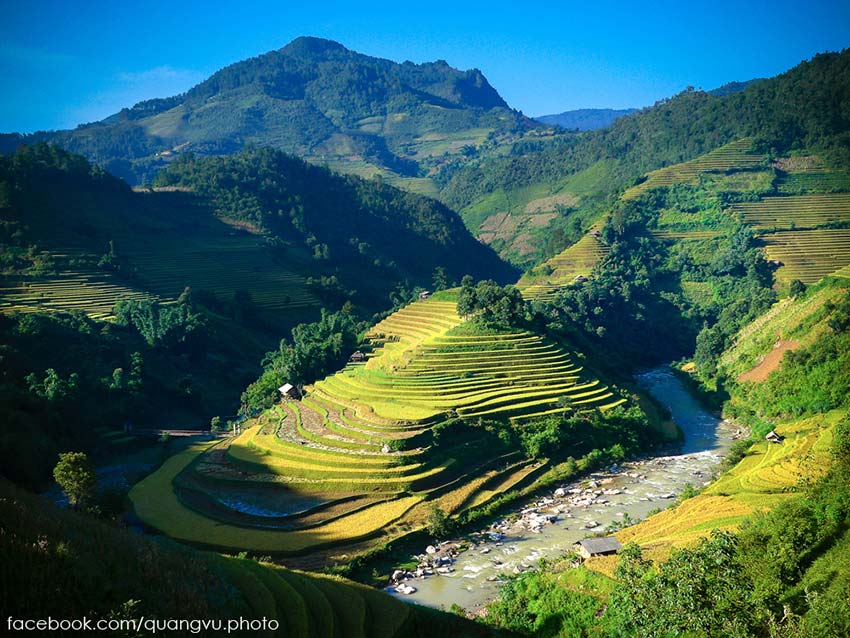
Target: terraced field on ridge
x,y
578,260
768,475
795,211
162,248
354,460
808,255
494,375
736,155
94,293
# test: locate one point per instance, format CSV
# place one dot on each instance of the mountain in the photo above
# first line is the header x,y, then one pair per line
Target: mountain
x,y
733,87
521,198
313,98
584,119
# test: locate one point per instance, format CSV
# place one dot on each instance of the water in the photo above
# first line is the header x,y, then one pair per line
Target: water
x,y
633,489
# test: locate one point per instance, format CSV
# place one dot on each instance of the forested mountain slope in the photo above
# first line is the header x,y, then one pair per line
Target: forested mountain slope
x,y
197,281
535,199
313,98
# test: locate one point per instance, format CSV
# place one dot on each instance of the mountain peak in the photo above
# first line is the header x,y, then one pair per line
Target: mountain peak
x,y
312,45
315,98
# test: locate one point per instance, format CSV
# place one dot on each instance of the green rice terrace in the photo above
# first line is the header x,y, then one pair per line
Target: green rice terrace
x,y
353,459
798,208
734,156
568,267
158,253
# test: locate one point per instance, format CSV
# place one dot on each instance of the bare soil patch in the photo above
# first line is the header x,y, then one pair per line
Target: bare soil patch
x,y
770,361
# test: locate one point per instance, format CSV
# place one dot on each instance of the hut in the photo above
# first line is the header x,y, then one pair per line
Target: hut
x,y
773,437
424,295
580,278
597,547
289,391
357,357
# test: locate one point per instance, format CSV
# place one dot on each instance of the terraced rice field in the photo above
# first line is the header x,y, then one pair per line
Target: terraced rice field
x,y
808,255
686,235
736,155
795,211
817,181
578,260
843,272
497,375
94,293
353,459
157,504
173,243
768,475
224,267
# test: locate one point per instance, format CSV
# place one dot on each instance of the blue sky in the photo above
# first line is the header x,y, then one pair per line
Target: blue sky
x,y
64,63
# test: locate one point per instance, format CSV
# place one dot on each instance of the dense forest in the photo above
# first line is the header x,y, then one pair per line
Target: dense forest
x,y
365,229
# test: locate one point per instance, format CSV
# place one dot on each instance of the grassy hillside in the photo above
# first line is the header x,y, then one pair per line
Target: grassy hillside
x,y
696,206
800,109
105,573
370,451
292,236
313,98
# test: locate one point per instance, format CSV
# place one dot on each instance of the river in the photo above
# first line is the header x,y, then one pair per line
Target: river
x,y
547,527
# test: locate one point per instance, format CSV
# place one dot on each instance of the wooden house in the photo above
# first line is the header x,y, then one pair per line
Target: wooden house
x,y
597,547
289,391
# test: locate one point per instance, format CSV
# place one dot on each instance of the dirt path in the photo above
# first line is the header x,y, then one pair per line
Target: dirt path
x,y
770,361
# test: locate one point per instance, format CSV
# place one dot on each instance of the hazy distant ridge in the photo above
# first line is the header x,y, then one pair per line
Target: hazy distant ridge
x,y
584,119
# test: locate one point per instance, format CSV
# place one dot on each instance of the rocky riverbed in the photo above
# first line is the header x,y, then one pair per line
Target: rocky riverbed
x,y
467,571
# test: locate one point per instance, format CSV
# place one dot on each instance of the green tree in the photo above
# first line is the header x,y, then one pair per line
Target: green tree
x,y
137,370
116,381
53,388
75,475
796,288
440,278
438,523
699,591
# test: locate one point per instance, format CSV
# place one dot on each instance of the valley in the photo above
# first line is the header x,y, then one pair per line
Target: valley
x,y
547,528
427,344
